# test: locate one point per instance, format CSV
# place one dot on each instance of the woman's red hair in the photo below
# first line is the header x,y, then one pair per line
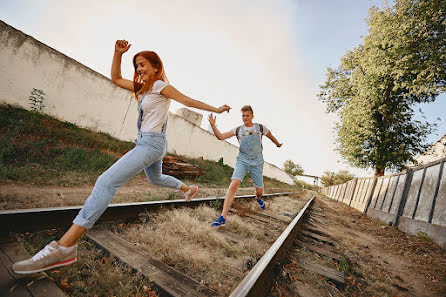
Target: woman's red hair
x,y
141,87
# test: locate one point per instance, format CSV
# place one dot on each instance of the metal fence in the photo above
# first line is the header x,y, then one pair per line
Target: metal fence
x,y
414,200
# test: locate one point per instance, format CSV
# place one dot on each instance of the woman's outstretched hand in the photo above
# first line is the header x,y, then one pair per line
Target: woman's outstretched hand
x,y
223,108
121,46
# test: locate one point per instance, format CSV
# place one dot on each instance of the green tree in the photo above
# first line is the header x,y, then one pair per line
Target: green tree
x,y
401,64
331,178
292,168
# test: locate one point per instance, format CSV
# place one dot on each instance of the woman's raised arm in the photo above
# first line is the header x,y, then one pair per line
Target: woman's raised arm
x,y
121,46
172,93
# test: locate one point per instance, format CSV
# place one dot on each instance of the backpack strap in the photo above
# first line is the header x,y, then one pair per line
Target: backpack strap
x,y
259,130
237,130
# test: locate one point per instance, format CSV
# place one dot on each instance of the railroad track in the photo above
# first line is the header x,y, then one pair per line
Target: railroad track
x,y
285,227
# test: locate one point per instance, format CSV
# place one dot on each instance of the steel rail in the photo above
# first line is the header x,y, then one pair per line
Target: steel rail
x,y
27,220
258,281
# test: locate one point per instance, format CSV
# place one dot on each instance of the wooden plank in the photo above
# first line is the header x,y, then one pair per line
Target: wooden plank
x,y
167,278
314,225
315,220
36,284
333,275
317,231
304,291
317,237
8,284
320,251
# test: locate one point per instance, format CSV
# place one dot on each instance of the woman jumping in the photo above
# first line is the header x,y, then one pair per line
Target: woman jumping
x,y
153,92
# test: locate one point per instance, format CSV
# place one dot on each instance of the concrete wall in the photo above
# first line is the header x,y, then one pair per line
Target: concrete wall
x,y
415,200
77,94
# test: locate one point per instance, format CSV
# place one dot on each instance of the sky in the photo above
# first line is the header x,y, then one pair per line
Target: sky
x,y
272,55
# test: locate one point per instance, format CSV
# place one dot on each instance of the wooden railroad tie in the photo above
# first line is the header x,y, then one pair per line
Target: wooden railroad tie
x,y
331,274
317,237
317,231
11,284
305,291
321,251
165,277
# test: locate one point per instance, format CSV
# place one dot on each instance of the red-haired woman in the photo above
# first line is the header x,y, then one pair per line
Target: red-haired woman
x,y
152,91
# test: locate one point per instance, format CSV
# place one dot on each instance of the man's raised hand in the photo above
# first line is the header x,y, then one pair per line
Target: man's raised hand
x,y
212,119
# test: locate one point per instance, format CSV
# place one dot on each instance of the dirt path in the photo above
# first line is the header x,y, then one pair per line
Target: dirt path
x,y
378,260
21,196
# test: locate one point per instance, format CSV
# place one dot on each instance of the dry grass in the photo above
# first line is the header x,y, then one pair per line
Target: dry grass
x,y
184,239
14,196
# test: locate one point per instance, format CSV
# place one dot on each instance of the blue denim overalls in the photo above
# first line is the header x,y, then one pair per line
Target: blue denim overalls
x,y
251,147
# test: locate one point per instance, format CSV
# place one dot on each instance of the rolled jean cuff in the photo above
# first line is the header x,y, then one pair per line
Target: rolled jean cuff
x,y
83,222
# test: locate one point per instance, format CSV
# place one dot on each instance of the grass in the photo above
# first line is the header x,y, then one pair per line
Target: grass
x,y
39,149
184,239
424,237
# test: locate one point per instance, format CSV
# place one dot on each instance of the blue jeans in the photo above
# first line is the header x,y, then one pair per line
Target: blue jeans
x,y
147,155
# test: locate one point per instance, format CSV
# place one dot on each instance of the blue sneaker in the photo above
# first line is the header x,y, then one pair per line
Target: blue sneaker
x,y
219,222
261,203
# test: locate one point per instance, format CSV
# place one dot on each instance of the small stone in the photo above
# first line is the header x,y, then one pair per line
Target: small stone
x,y
249,264
366,246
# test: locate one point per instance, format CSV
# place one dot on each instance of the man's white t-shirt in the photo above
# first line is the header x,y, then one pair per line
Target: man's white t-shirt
x,y
249,131
155,108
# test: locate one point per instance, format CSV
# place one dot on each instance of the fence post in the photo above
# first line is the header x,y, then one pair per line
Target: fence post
x,y
402,203
431,214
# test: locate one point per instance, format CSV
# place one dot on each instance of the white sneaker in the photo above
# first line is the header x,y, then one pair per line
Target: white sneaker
x,y
191,193
51,256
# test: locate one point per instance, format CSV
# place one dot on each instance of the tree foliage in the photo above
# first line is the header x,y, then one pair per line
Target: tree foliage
x,y
379,84
331,178
292,168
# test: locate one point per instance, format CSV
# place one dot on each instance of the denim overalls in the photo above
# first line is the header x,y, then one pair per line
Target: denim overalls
x,y
250,158
147,155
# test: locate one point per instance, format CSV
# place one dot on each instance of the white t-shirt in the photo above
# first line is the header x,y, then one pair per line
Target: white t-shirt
x,y
155,108
249,131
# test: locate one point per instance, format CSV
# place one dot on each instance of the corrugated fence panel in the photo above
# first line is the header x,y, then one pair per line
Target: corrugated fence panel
x,y
357,193
439,216
390,192
343,192
382,192
412,196
367,192
398,194
376,192
427,193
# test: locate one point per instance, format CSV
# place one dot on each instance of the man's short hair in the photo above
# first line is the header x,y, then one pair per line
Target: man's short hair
x,y
247,108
